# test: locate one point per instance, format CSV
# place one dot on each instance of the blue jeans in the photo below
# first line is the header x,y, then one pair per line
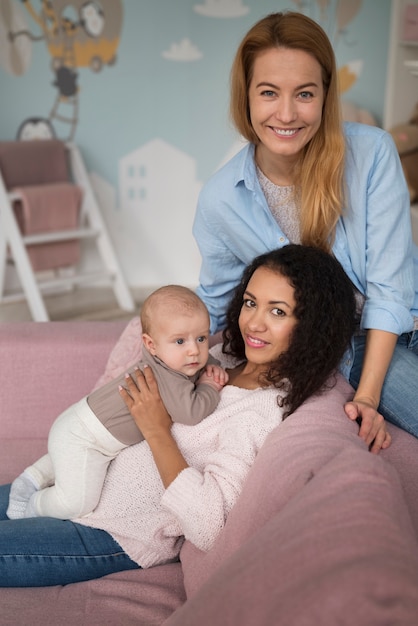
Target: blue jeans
x,y
399,399
43,551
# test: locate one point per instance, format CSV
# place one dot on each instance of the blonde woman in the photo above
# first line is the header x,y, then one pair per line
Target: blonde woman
x,y
305,177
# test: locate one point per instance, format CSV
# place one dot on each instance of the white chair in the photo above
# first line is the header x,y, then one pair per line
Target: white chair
x,y
20,159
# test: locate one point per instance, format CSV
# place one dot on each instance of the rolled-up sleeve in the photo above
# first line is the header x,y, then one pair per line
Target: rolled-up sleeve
x,y
374,236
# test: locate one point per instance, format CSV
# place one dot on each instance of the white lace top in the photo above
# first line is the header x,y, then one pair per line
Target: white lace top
x,y
281,202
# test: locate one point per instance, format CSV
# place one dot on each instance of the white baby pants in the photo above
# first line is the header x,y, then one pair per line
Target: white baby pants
x,y
72,474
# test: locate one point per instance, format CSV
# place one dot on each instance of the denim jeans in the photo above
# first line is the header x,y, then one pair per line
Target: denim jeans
x,y
43,551
399,399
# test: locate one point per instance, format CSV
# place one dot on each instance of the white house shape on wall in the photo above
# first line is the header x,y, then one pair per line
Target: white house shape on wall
x,y
158,194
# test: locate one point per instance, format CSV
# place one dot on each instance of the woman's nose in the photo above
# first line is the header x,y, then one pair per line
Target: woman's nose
x,y
256,321
286,110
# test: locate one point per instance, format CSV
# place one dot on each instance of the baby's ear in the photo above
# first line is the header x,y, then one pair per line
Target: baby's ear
x,y
148,343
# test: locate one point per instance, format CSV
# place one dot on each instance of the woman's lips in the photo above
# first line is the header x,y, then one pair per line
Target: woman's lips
x,y
254,342
285,132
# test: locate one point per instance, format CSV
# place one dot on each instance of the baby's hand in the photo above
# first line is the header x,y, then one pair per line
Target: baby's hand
x,y
214,375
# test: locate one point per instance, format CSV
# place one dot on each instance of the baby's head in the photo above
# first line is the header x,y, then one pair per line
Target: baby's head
x,y
175,327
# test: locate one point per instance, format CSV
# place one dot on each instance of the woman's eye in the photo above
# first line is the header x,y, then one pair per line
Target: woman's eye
x,y
248,303
278,312
267,92
305,95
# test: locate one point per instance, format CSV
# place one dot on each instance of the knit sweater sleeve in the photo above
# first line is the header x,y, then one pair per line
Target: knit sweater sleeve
x,y
202,499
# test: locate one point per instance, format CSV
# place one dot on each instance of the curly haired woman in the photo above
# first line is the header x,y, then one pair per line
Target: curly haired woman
x,y
289,323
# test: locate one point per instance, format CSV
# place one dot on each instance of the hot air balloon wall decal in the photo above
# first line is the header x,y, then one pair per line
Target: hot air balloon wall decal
x,y
77,33
335,18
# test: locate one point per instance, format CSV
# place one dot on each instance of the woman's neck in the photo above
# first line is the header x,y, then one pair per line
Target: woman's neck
x,y
247,376
279,170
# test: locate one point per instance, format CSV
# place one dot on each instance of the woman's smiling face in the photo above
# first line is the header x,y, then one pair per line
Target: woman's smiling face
x,y
286,97
267,317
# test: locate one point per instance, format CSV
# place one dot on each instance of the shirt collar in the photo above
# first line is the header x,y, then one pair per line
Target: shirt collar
x,y
245,170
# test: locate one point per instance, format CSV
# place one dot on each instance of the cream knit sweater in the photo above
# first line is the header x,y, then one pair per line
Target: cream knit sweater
x,y
150,523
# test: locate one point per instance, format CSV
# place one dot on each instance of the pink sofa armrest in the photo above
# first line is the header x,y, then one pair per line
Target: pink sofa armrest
x,y
342,551
324,532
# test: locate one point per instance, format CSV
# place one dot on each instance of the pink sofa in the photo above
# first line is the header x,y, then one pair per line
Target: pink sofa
x,y
324,533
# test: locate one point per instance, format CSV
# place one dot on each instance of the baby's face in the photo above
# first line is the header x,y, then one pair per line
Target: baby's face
x,y
182,342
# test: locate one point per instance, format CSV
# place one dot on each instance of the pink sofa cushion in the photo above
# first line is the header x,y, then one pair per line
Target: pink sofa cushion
x,y
308,537
70,366
342,551
135,598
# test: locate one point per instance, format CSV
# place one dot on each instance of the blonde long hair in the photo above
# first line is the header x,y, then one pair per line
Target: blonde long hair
x,y
319,175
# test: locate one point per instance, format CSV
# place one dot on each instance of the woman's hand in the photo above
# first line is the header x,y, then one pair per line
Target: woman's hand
x,y
377,356
372,424
143,400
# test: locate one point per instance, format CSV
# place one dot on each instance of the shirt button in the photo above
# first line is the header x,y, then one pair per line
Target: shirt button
x,y
282,239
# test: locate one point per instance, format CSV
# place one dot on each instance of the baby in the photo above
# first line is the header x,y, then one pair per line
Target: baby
x,y
67,482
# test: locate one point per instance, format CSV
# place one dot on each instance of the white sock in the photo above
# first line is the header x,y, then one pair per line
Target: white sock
x,y
22,488
30,510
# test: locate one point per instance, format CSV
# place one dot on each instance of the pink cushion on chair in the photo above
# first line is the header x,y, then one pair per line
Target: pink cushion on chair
x,y
50,208
33,162
50,201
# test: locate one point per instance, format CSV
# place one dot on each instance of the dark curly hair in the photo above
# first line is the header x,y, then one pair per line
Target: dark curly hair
x,y
325,310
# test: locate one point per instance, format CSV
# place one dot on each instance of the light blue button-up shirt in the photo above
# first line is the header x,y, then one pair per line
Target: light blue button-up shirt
x,y
373,242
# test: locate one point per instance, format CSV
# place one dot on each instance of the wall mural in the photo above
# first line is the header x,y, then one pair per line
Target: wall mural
x,y
134,202
85,34
78,34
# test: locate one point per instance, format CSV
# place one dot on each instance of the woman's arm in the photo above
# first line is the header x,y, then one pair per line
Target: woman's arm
x,y
146,407
378,354
381,261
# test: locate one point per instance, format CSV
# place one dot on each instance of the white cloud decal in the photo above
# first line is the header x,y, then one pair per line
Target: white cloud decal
x,y
183,51
221,8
